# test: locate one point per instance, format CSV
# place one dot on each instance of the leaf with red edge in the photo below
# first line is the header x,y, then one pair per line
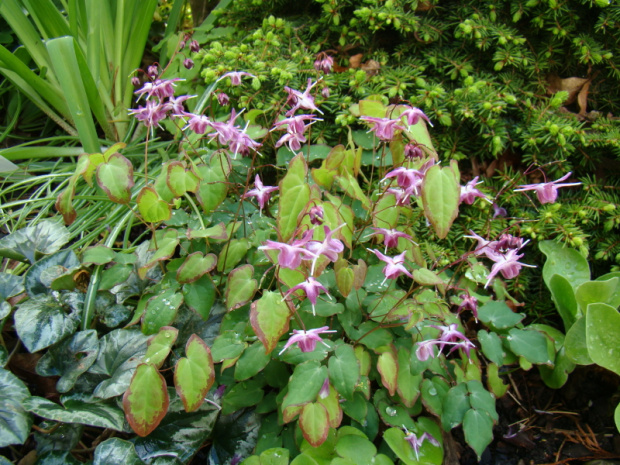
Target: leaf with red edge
x,y
332,405
388,367
241,287
314,423
158,346
151,207
269,317
146,400
179,180
194,374
115,177
195,266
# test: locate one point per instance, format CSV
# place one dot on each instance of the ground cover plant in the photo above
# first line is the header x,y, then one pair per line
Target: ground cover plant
x,y
265,288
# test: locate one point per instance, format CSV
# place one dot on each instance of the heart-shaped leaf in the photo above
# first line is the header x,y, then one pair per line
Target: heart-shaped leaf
x,y
314,423
270,317
158,346
179,180
15,421
115,177
241,287
440,197
151,207
294,196
114,451
603,336
146,401
344,370
194,374
213,185
195,266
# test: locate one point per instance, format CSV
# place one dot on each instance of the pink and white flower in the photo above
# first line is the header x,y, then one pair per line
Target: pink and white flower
x,y
306,340
547,192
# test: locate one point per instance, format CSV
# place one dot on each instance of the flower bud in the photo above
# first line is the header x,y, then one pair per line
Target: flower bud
x,y
222,98
153,71
194,46
135,81
188,63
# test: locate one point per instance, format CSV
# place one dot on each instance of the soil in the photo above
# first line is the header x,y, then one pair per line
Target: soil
x,y
539,425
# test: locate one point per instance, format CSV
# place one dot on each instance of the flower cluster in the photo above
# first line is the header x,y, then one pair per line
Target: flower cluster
x,y
160,102
504,252
409,182
449,336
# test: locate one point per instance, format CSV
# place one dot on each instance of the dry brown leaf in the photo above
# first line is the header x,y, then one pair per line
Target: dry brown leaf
x,y
356,60
576,87
371,67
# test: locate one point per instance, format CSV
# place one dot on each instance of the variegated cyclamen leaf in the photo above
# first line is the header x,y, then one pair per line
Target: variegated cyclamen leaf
x,y
15,421
194,374
146,401
270,317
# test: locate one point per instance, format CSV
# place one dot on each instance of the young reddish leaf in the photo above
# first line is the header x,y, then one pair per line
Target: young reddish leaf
x,y
195,266
294,197
269,317
64,204
194,374
332,406
314,423
151,207
146,400
115,177
388,367
241,287
440,197
158,346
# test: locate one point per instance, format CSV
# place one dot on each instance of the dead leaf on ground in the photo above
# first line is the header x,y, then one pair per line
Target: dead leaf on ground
x,y
576,87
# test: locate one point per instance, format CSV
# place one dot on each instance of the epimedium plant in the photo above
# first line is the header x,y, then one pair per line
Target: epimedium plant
x,y
186,334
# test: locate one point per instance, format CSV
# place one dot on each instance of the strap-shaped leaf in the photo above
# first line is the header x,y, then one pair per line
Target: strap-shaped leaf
x,y
146,401
194,374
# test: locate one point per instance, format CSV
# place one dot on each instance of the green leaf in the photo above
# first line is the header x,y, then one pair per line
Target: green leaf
x,y
331,402
158,346
179,180
344,370
387,365
426,277
151,207
440,198
83,410
274,456
228,345
529,344
114,451
70,358
43,322
478,429
294,196
563,296
161,310
32,242
433,391
10,285
241,287
180,434
252,362
356,448
455,404
213,185
592,292
385,214
200,296
120,351
232,254
576,343
146,400
352,188
497,314
491,346
314,423
557,376
481,399
408,387
565,262
617,417
15,421
195,266
603,335
304,384
243,394
194,374
494,381
115,177
97,255
428,455
357,407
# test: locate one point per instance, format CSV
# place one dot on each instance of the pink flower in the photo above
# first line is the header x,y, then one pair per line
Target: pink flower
x,y
383,127
235,77
469,192
175,105
390,236
469,303
324,63
451,336
301,100
312,289
416,442
188,63
507,264
413,115
324,392
291,254
394,267
197,123
295,124
306,340
316,215
406,177
413,151
547,192
294,141
160,88
329,247
499,211
222,99
261,192
151,114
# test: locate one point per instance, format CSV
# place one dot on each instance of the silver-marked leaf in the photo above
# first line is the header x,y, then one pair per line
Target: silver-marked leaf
x,y
70,358
78,409
15,421
10,285
39,277
114,451
43,322
32,242
120,352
